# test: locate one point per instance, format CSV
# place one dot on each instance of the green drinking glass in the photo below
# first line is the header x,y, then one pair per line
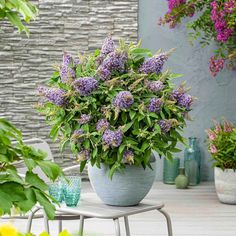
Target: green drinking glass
x,y
72,190
56,191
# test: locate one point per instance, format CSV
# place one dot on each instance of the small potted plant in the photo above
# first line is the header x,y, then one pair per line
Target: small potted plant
x,y
114,107
222,146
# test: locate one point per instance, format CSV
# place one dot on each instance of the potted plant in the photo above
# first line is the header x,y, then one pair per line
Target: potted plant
x,y
114,107
222,146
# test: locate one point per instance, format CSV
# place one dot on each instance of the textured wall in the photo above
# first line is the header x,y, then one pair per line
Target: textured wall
x,y
62,25
216,97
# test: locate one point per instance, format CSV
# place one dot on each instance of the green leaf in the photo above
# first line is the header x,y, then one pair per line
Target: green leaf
x,y
132,114
86,143
54,131
18,191
2,3
50,169
127,126
82,165
44,201
145,145
35,181
5,202
174,76
16,21
113,169
29,202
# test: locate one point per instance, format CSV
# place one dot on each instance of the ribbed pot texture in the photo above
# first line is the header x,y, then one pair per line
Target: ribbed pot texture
x,y
125,189
225,183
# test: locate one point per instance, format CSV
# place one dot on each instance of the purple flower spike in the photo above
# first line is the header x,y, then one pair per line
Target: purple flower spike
x,y
66,73
67,59
102,125
104,74
185,101
112,138
114,62
77,61
155,105
128,157
165,126
76,137
54,95
123,100
154,64
155,86
108,46
84,119
85,86
84,155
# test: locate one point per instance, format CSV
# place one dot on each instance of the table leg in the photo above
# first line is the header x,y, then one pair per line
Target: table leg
x,y
168,221
81,226
59,226
117,226
127,225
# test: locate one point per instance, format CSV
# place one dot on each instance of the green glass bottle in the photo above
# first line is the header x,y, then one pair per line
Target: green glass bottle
x,y
192,162
170,170
181,180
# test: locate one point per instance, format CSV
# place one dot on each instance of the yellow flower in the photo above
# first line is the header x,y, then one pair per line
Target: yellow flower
x,y
64,233
8,230
43,234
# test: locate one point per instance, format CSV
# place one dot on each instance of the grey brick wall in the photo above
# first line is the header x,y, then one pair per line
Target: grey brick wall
x,y
62,25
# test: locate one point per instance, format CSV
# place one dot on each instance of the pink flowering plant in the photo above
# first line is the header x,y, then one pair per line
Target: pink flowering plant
x,y
215,20
222,144
115,106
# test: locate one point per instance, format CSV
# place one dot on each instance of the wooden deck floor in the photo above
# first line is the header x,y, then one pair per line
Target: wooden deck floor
x,y
194,212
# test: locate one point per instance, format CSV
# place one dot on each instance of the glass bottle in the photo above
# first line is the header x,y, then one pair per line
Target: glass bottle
x,y
181,180
171,170
192,162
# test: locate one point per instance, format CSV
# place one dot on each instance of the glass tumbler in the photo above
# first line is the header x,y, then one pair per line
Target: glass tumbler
x,y
56,191
72,189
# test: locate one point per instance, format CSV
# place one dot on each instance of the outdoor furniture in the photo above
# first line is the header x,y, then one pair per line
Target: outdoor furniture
x,y
90,206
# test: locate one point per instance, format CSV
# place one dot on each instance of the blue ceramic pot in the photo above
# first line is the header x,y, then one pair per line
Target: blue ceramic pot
x,y
125,189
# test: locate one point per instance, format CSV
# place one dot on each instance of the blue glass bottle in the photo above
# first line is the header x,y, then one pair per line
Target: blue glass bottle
x,y
192,162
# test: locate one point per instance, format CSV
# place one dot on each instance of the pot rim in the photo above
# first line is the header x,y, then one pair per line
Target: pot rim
x,y
226,169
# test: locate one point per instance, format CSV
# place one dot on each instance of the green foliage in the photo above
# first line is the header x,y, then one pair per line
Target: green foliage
x,y
17,191
222,145
140,129
18,12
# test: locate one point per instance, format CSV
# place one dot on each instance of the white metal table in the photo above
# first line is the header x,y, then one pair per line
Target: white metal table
x,y
90,206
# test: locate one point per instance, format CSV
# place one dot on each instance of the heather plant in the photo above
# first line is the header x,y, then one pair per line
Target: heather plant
x,y
215,20
222,140
115,106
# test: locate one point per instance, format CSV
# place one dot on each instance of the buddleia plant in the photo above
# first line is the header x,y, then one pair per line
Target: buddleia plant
x,y
115,106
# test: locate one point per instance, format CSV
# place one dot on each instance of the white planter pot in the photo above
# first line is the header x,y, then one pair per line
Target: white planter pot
x,y
225,183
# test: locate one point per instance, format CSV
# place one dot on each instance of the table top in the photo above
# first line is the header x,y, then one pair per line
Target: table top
x,y
91,206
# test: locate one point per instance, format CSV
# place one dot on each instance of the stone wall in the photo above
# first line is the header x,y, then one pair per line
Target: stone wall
x,y
62,25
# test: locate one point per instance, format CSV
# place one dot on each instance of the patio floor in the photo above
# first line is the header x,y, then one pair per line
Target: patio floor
x,y
194,212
